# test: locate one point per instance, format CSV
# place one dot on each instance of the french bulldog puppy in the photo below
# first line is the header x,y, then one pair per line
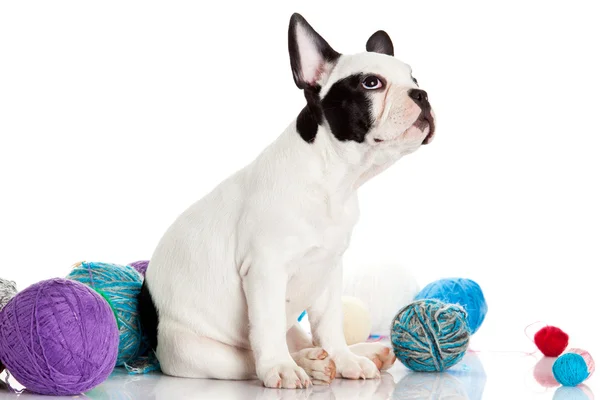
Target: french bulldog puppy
x,y
230,277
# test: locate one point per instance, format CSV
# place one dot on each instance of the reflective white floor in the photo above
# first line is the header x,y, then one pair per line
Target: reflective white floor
x,y
479,376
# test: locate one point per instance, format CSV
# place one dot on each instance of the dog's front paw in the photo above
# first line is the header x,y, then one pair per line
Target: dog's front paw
x,y
285,375
351,366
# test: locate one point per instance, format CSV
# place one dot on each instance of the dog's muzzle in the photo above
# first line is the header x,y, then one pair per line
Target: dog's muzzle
x,y
425,118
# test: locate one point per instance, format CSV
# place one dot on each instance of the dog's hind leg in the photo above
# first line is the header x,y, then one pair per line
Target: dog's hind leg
x,y
184,353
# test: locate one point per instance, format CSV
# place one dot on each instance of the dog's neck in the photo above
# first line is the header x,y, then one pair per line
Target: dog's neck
x,y
337,168
344,165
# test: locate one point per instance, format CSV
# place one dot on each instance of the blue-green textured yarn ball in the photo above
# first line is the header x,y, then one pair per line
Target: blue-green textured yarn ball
x,y
570,369
430,336
464,292
120,285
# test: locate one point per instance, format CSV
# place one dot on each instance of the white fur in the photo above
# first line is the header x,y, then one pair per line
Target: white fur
x,y
234,271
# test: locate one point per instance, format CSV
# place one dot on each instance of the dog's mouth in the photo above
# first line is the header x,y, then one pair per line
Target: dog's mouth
x,y
426,120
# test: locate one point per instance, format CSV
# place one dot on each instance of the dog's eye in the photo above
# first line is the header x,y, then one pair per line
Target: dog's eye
x,y
414,80
372,82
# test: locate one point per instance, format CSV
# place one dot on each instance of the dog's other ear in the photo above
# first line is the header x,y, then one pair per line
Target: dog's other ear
x,y
310,55
380,42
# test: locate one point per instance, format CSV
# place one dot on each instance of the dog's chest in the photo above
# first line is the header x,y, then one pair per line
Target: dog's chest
x,y
310,273
332,229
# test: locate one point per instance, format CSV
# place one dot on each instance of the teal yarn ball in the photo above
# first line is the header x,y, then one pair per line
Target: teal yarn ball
x,y
430,336
120,286
464,292
573,367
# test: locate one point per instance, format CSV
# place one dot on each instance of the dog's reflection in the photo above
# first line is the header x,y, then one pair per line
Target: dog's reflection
x,y
464,381
340,389
121,386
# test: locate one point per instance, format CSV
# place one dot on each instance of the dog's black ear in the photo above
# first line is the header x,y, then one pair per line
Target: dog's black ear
x,y
310,55
380,42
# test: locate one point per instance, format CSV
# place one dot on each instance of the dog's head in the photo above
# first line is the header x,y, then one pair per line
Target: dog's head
x,y
369,102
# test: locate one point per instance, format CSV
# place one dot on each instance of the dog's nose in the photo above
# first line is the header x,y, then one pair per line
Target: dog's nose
x,y
420,97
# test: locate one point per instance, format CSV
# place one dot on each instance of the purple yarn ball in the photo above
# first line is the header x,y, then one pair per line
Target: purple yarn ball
x,y
58,337
140,266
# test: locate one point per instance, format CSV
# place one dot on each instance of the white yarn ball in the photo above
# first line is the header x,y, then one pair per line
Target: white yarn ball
x,y
383,287
357,322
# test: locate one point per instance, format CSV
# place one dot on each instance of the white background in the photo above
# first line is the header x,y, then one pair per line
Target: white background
x,y
115,116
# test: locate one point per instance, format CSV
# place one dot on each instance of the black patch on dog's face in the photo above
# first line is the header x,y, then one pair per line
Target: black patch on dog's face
x,y
148,316
347,108
306,125
311,116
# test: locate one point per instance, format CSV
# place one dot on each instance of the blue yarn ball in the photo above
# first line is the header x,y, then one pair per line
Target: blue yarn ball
x,y
570,369
464,292
120,286
430,336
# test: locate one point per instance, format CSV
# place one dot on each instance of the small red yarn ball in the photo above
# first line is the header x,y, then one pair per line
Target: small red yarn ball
x,y
551,341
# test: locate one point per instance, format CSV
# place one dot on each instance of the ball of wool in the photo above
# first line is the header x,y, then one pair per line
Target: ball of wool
x,y
551,341
464,292
140,266
383,287
357,321
428,335
121,285
8,289
573,367
58,337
